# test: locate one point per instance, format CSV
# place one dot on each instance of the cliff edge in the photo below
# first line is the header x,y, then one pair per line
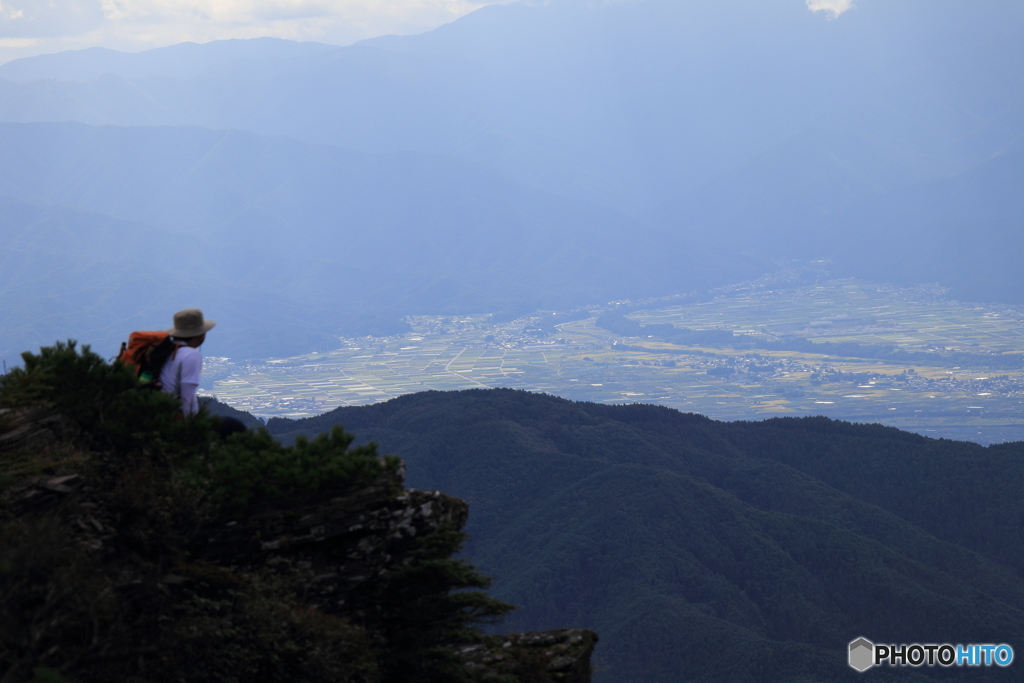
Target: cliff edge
x,y
138,546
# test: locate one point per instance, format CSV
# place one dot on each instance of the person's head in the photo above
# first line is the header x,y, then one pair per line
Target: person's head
x,y
190,327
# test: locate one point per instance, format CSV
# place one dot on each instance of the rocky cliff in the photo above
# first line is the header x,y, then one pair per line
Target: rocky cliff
x,y
117,562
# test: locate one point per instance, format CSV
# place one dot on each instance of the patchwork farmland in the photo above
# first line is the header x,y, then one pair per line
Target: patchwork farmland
x,y
849,350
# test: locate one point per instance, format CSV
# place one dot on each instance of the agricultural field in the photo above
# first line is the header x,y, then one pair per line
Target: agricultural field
x,y
849,350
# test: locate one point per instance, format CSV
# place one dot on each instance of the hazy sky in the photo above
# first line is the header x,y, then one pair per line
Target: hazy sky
x,y
31,27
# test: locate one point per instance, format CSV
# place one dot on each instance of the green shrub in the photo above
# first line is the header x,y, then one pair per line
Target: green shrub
x,y
254,631
53,606
253,465
78,385
98,611
105,402
425,606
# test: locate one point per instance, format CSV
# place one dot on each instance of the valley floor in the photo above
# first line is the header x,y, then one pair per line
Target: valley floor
x,y
905,358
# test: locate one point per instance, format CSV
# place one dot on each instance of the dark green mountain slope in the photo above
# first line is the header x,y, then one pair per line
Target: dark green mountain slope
x,y
708,551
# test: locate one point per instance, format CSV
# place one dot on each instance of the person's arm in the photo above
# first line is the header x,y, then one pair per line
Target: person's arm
x,y
191,368
189,401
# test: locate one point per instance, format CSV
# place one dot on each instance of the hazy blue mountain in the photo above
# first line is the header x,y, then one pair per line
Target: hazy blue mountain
x,y
323,240
67,273
771,202
711,551
482,157
229,59
682,94
360,98
964,232
628,104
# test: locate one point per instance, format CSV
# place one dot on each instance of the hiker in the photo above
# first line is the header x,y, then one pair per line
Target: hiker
x,y
172,362
180,374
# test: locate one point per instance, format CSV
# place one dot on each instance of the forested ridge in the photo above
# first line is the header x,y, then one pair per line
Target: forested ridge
x,y
705,550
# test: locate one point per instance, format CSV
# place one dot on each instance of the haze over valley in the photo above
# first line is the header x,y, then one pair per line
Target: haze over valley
x,y
482,244
521,159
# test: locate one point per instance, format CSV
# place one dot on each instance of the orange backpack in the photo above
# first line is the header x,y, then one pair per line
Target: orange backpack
x,y
148,352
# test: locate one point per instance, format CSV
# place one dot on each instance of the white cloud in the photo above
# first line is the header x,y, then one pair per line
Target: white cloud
x,y
8,13
207,16
833,7
46,18
133,25
145,22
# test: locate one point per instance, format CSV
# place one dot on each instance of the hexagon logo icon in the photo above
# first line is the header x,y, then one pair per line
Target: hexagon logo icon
x,y
862,654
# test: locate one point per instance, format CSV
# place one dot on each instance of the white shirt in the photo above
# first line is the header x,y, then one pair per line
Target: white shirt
x,y
180,377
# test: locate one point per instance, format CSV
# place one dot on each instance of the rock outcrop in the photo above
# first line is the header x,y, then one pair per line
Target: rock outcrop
x,y
337,548
28,426
346,541
560,655
343,540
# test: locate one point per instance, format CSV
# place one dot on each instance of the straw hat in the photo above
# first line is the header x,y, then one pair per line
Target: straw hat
x,y
189,323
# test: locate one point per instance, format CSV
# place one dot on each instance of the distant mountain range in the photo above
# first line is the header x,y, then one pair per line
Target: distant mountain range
x,y
224,59
290,244
626,104
710,551
965,232
537,155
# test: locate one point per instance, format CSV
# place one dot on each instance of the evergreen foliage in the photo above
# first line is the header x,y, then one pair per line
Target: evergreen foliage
x,y
710,551
253,465
104,402
418,616
136,605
